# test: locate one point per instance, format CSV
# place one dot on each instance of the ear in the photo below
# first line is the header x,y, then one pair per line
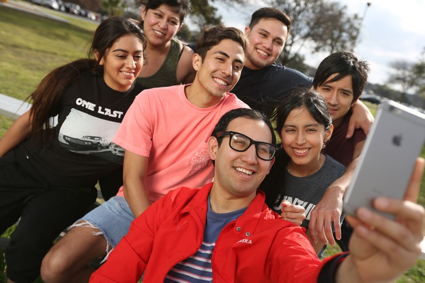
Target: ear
x,y
196,61
180,27
247,31
212,147
271,164
96,55
143,13
328,133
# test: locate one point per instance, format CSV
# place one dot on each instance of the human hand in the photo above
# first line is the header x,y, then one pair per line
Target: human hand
x,y
389,246
361,118
293,213
136,22
326,212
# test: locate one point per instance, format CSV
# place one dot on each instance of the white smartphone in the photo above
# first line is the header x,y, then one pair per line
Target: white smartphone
x,y
386,163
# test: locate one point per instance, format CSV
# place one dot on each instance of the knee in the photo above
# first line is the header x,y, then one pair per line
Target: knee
x,y
55,266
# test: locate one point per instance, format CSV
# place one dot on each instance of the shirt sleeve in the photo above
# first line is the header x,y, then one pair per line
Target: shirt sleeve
x,y
294,260
129,258
136,130
329,268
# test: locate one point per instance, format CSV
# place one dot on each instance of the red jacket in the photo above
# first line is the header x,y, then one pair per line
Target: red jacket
x,y
256,247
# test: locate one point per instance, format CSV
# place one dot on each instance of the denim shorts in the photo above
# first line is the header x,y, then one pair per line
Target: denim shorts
x,y
112,218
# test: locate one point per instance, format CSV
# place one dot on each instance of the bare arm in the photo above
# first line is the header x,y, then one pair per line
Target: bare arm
x,y
135,168
185,72
16,133
383,249
361,118
329,209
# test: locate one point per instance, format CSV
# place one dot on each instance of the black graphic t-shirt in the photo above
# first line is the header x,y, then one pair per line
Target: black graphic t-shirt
x,y
82,151
279,185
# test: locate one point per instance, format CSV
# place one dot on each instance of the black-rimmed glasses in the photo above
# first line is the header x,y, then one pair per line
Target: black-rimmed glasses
x,y
240,142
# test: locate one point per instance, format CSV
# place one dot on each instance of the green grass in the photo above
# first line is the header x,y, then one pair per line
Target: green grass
x,y
31,46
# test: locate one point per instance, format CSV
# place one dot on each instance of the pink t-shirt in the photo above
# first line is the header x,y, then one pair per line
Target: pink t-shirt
x,y
163,125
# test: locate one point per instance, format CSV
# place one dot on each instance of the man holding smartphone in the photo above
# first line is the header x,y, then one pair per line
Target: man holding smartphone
x,y
224,232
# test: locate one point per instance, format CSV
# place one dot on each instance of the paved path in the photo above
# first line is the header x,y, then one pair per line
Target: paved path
x,y
31,8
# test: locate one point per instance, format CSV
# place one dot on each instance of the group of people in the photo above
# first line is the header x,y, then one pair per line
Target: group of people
x,y
202,192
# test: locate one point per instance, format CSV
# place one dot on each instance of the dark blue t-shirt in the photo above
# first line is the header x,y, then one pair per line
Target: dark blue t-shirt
x,y
260,89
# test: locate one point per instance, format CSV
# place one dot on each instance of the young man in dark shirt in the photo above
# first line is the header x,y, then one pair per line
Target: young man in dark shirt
x,y
263,81
340,79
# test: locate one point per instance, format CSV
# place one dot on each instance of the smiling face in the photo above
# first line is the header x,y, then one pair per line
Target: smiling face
x,y
238,174
160,24
338,96
265,42
303,138
220,70
122,62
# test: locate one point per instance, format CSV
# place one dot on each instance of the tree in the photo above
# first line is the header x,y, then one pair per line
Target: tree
x,y
403,75
319,25
203,13
419,73
114,7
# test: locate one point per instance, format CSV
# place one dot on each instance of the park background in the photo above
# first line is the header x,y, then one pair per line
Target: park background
x,y
34,40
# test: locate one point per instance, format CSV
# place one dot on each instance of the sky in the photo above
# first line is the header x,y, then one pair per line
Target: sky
x,y
391,30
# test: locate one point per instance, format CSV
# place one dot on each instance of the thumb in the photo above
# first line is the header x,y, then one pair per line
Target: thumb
x,y
286,203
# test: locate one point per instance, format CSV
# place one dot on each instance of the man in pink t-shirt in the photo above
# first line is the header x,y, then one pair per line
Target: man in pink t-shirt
x,y
164,134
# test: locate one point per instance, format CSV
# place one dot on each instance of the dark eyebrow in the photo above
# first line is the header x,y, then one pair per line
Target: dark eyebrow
x,y
222,53
306,126
120,50
227,56
125,51
325,84
274,38
346,89
163,13
263,30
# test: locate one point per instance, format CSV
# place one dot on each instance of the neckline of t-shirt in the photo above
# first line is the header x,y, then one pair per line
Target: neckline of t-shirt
x,y
194,107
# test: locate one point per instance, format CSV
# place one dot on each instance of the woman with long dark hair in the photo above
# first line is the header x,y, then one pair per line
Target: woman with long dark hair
x,y
48,171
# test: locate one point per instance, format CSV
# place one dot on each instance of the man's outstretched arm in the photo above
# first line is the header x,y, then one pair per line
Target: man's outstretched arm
x,y
383,249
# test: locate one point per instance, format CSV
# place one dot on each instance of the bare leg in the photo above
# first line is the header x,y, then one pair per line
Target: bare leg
x,y
67,260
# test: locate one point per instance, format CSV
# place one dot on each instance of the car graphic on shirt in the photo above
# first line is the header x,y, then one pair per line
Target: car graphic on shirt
x,y
117,150
87,142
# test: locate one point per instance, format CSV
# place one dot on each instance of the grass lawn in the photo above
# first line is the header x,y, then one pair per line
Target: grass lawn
x,y
31,46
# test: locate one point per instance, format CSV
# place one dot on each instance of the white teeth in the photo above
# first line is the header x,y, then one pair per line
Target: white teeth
x,y
221,82
245,171
128,74
262,52
300,151
158,32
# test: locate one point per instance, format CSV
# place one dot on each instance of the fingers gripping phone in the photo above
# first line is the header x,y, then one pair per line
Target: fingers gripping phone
x,y
388,157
